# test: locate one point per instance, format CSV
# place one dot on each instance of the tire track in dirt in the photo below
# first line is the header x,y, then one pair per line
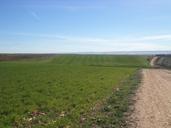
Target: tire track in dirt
x,y
152,108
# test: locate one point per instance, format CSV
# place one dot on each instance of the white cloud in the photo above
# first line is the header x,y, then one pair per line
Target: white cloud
x,y
157,37
58,43
166,37
124,40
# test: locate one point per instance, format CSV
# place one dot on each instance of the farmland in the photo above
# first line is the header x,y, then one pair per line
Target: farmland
x,y
59,90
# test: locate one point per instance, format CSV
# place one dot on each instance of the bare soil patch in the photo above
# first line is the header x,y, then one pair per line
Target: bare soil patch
x,y
14,57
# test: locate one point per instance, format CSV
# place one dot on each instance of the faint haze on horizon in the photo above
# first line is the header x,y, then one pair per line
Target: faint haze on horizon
x,y
59,26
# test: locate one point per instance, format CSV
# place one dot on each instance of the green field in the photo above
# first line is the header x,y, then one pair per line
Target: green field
x,y
58,91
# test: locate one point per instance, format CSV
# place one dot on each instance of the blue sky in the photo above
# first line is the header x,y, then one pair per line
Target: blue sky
x,y
52,26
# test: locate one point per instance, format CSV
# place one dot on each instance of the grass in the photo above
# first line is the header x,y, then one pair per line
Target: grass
x,y
57,92
112,111
102,60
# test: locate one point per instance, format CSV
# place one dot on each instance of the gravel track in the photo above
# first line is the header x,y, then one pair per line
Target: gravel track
x,y
152,108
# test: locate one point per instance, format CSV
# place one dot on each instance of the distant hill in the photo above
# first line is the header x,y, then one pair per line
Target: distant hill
x,y
131,53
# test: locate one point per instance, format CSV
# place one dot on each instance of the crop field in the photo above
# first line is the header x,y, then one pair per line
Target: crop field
x,y
59,91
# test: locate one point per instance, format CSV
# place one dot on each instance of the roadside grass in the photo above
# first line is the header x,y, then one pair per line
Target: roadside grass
x,y
113,110
58,93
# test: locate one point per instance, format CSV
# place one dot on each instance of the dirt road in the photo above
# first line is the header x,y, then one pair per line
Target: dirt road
x,y
153,61
153,100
